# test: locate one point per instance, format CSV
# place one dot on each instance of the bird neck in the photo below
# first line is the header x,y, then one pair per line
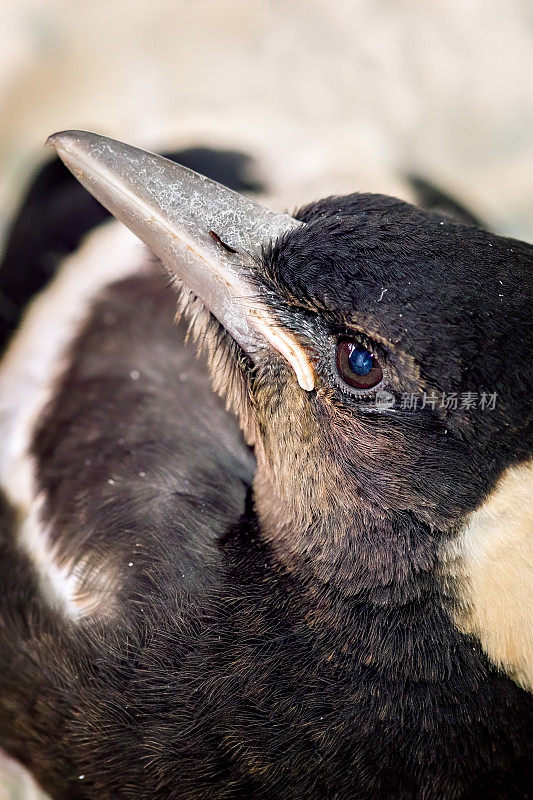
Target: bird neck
x,y
340,543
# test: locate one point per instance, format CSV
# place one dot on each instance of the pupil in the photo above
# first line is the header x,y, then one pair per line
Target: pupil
x,y
360,360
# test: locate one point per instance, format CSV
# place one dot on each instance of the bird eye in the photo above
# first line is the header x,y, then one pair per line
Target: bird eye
x,y
357,366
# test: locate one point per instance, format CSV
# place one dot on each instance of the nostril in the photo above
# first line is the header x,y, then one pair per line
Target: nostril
x,y
219,241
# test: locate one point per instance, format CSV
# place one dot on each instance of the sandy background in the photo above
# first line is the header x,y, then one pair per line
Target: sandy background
x,y
329,95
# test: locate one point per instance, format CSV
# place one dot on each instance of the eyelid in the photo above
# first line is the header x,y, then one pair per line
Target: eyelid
x,y
360,337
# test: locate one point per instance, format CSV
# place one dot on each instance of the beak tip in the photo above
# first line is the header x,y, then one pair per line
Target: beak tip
x,y
57,139
66,141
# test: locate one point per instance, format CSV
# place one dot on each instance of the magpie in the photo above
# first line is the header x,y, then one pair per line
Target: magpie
x,y
295,559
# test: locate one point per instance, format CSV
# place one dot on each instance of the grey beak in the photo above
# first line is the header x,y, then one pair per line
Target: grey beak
x,y
205,234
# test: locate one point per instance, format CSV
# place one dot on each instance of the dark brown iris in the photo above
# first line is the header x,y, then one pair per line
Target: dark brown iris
x,y
357,366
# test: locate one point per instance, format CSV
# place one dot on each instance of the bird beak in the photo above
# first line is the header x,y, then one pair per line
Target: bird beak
x,y
206,235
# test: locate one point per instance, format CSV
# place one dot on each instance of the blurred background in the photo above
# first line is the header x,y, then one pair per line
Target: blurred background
x,y
327,95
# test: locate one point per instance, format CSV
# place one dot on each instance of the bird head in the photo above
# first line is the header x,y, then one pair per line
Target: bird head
x,y
376,354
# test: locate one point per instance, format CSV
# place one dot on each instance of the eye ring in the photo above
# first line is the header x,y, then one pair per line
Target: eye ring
x,y
357,366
